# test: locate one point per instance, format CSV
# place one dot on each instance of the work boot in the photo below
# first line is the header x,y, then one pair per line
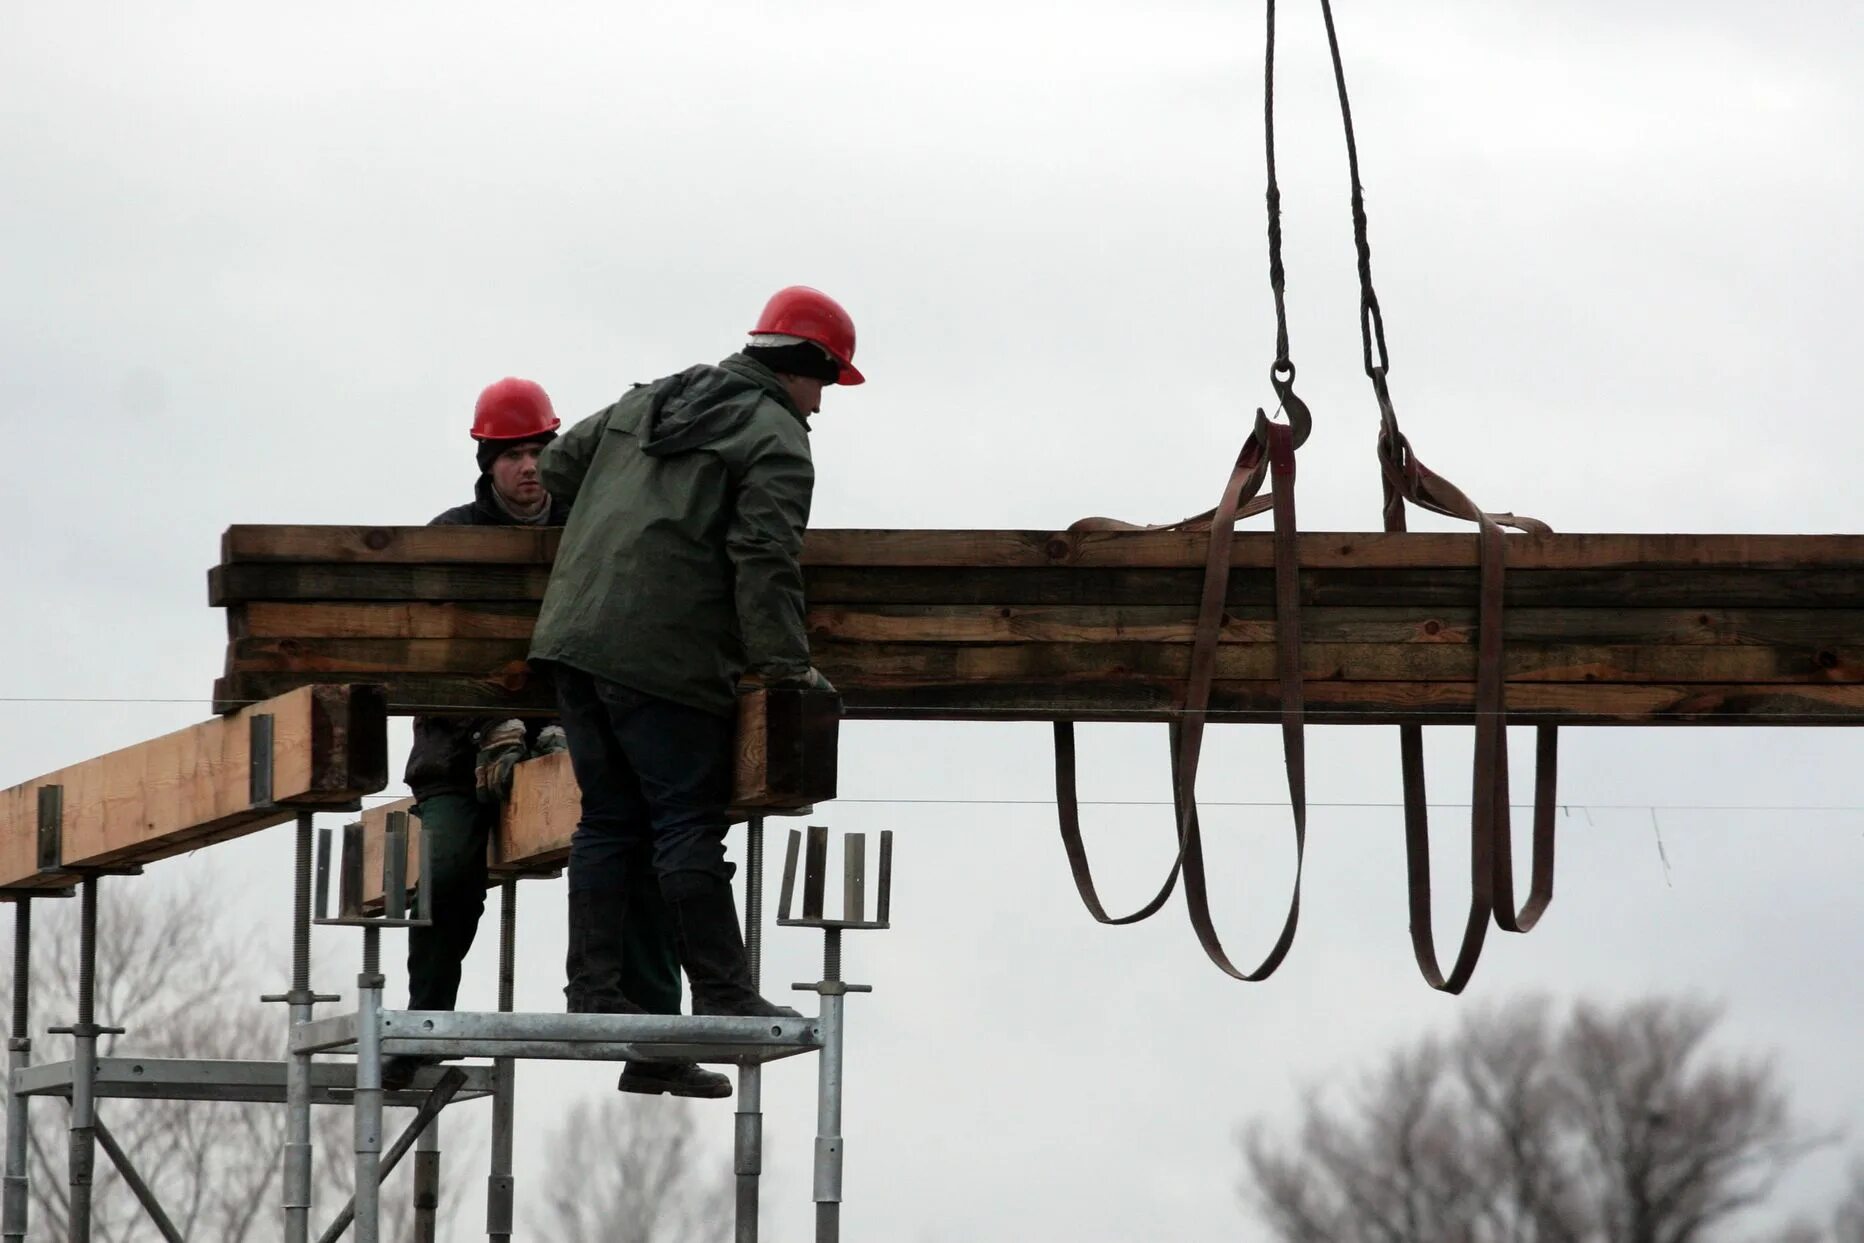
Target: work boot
x,y
398,1071
593,965
673,1079
705,926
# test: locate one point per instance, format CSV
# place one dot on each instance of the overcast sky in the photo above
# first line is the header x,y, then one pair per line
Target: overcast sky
x,y
256,261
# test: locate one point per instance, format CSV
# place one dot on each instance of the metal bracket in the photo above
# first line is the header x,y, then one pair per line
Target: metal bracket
x,y
395,912
51,828
853,886
831,988
259,757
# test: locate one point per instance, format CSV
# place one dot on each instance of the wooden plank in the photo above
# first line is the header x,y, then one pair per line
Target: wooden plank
x,y
1165,623
267,619
786,749
1142,699
1436,588
1432,589
362,660
192,787
939,623
535,827
412,694
230,584
1011,549
374,839
875,666
1373,703
857,664
391,545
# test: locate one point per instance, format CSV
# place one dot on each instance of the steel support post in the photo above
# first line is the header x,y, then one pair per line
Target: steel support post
x,y
748,1137
82,1156
13,1196
427,1183
828,1146
297,1152
499,1189
368,1099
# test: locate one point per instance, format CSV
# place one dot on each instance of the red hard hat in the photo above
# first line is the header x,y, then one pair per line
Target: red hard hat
x,y
513,409
800,311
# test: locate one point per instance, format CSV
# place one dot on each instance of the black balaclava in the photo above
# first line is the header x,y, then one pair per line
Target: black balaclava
x,y
805,358
490,449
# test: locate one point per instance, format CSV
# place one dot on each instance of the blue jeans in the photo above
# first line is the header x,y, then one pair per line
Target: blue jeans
x,y
656,782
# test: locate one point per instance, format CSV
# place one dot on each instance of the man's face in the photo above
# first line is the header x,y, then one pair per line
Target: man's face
x,y
514,474
805,392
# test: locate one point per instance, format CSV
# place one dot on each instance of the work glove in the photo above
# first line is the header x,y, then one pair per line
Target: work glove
x,y
500,749
810,679
550,740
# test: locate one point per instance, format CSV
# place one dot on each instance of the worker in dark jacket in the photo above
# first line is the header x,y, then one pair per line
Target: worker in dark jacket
x,y
678,576
460,771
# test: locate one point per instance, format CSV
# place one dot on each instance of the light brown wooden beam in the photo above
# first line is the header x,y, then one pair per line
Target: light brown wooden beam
x,y
192,787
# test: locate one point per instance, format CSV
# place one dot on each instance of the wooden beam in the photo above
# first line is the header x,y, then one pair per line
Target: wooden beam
x,y
989,624
329,746
974,549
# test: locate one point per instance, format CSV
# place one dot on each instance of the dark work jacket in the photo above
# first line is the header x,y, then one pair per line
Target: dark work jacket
x,y
679,569
446,747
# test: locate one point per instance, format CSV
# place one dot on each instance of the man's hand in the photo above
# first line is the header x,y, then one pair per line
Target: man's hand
x,y
550,740
500,749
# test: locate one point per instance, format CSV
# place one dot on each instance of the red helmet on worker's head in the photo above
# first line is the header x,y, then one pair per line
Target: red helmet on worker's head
x,y
812,315
513,409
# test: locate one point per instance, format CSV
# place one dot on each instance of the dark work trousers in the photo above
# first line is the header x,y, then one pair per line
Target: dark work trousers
x,y
460,826
656,782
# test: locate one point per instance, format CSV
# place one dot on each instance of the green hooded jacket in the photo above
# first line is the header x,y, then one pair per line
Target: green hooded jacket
x,y
679,571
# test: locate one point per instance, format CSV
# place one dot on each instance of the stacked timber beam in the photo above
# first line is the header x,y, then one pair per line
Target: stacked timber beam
x,y
316,746
1632,629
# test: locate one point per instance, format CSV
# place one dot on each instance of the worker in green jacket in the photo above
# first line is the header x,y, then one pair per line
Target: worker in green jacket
x,y
677,578
460,771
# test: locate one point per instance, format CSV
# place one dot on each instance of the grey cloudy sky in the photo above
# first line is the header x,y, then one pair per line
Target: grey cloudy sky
x,y
256,261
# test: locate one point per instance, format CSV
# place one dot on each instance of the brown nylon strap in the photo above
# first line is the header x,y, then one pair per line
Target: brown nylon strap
x,y
1187,730
1490,848
1244,481
1191,726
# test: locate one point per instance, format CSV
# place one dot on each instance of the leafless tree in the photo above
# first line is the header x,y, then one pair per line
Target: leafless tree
x,y
1602,1125
628,1171
183,984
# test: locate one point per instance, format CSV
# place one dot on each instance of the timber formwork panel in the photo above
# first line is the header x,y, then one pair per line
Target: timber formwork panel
x,y
1598,628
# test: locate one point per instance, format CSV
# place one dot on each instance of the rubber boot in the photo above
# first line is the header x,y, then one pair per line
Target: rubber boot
x,y
593,965
674,1079
705,926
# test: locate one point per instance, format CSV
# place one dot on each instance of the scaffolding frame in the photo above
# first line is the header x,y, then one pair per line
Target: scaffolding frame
x,y
372,1032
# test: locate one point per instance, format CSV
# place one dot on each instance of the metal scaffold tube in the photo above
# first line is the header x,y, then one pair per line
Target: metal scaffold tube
x,y
13,1199
297,1149
82,1161
748,1136
828,1096
427,1183
368,1098
500,1187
